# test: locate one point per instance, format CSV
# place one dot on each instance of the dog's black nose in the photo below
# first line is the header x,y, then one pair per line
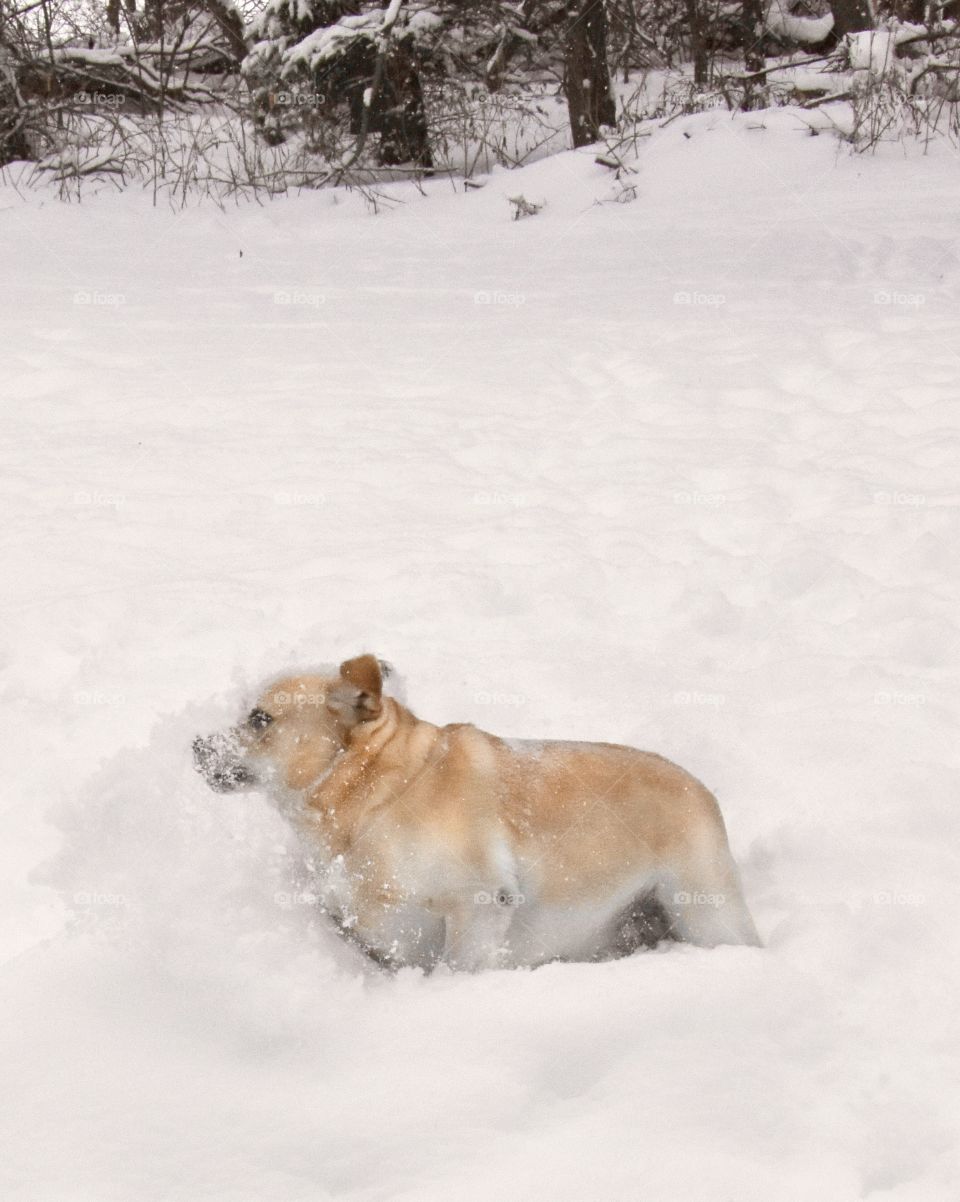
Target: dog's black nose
x,y
201,753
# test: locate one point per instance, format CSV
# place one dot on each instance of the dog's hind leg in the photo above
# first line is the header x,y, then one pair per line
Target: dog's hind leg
x,y
707,907
644,922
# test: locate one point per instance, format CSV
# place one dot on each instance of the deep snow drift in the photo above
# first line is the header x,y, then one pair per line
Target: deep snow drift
x,y
679,472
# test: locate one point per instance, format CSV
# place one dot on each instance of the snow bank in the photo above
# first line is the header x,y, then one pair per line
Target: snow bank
x,y
691,453
807,31
873,50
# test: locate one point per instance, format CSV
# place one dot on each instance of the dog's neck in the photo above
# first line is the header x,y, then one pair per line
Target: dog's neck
x,y
378,760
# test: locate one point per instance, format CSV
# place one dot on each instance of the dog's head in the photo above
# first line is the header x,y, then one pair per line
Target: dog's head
x,y
294,730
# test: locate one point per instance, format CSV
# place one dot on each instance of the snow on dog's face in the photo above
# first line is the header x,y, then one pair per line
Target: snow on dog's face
x,y
294,731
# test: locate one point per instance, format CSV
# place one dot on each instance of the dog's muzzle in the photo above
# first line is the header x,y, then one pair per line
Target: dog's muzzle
x,y
217,759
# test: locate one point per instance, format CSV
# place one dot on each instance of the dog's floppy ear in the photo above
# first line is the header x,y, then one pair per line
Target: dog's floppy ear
x,y
360,697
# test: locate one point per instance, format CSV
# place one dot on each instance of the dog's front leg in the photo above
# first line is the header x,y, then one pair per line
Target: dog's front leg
x,y
475,930
394,935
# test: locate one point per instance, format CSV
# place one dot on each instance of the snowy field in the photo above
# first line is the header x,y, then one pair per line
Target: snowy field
x,y
681,473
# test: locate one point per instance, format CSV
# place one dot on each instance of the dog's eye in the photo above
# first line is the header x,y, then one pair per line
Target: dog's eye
x,y
259,719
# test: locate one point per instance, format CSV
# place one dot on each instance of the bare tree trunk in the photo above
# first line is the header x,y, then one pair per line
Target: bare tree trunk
x,y
698,42
391,105
851,16
753,52
586,74
402,119
230,24
13,140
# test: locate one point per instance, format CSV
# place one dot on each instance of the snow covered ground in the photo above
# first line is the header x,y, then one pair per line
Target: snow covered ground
x,y
680,472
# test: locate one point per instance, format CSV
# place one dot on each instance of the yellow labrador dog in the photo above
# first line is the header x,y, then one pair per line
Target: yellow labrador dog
x,y
445,844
